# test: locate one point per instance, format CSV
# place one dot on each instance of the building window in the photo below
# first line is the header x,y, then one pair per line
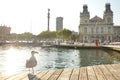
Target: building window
x,y
102,30
85,21
109,37
109,19
109,29
97,30
92,30
85,30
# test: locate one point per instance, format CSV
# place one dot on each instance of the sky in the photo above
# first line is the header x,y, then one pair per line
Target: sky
x,y
31,15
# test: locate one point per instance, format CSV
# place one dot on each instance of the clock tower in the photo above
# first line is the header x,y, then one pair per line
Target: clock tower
x,y
108,14
85,15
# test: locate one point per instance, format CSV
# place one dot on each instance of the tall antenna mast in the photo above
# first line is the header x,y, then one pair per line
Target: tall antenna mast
x,y
48,18
31,26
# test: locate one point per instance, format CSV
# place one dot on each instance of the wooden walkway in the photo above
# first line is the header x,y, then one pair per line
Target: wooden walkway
x,y
97,72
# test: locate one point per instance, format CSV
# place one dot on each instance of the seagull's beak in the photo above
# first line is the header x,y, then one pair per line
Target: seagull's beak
x,y
33,52
36,52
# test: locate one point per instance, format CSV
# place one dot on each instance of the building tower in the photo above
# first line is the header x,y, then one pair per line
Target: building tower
x,y
108,14
59,23
84,20
108,19
84,16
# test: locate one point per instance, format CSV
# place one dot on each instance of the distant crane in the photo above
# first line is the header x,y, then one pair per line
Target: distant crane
x,y
32,62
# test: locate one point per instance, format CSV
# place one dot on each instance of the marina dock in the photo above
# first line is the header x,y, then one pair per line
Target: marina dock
x,y
89,46
96,72
112,47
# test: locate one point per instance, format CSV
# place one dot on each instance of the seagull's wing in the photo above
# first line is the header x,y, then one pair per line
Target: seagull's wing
x,y
31,62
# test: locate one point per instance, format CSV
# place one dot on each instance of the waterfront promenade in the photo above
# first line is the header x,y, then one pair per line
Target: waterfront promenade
x,y
89,46
96,72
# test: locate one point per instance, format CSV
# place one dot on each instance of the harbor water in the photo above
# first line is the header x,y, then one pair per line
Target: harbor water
x,y
13,58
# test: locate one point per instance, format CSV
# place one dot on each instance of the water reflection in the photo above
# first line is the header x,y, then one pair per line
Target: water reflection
x,y
115,55
12,59
94,57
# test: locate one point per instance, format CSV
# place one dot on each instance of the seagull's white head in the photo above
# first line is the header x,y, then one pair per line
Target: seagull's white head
x,y
33,52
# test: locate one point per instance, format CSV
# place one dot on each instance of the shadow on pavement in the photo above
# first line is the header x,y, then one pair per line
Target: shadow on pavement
x,y
33,77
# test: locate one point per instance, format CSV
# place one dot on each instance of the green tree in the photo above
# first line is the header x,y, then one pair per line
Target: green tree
x,y
64,34
47,35
13,36
26,36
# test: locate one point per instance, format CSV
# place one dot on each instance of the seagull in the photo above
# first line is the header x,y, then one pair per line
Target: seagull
x,y
32,62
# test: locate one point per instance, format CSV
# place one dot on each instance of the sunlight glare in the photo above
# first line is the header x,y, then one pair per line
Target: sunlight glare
x,y
12,58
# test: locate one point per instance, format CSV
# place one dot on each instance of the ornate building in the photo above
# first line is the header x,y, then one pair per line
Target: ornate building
x,y
4,32
96,28
116,33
